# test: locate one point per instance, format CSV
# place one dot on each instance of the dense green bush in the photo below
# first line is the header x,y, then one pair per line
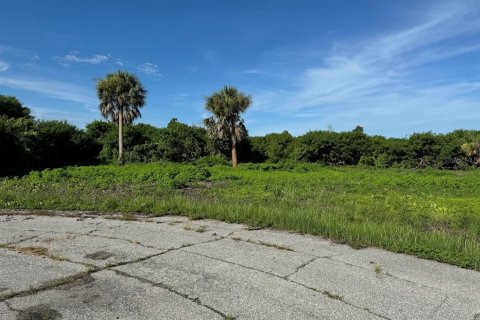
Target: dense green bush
x,y
27,144
11,107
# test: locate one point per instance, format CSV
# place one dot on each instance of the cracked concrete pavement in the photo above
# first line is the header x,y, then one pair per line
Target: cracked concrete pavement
x,y
86,266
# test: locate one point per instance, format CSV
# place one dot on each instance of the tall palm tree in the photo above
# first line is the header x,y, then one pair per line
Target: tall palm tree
x,y
226,106
121,96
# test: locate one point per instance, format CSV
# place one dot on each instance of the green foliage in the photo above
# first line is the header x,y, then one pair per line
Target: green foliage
x,y
344,148
212,161
16,137
426,212
274,147
11,107
27,144
181,142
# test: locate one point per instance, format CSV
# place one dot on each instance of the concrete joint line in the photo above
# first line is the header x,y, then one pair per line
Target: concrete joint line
x,y
20,241
91,270
300,267
285,278
172,290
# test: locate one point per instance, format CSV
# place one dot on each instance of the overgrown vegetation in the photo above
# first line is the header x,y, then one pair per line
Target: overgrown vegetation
x,y
26,144
429,213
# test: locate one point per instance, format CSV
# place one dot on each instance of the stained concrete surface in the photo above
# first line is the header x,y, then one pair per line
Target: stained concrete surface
x,y
91,267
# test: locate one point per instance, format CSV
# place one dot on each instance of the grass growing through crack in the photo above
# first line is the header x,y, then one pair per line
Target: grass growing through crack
x,y
430,213
36,251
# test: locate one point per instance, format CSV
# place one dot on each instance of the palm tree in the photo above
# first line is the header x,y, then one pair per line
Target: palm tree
x,y
226,106
121,96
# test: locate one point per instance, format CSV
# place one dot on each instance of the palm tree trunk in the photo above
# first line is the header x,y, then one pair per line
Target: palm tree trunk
x,y
234,155
120,139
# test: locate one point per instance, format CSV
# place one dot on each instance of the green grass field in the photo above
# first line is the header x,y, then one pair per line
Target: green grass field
x,y
432,214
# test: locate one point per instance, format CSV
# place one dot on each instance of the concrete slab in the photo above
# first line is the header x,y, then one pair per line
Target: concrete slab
x,y
163,236
48,224
22,272
424,272
224,270
106,295
5,313
8,236
307,244
240,292
379,293
267,258
94,250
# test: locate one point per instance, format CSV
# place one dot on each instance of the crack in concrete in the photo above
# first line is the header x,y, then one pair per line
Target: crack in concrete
x,y
46,286
89,234
20,241
303,265
326,294
172,290
90,270
330,257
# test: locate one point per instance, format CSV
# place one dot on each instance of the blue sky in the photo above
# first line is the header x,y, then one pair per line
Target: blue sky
x,y
393,67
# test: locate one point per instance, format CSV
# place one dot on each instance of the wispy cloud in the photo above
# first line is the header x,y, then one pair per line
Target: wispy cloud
x,y
378,80
253,71
51,88
150,69
179,98
75,57
4,66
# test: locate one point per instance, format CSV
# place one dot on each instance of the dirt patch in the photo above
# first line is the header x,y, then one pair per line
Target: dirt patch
x,y
440,226
99,255
40,312
36,251
198,190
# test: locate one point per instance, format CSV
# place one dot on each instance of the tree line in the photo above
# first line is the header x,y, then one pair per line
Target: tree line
x,y
27,143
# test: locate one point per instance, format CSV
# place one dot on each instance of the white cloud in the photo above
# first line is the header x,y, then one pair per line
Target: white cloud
x,y
51,88
95,59
150,69
375,82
